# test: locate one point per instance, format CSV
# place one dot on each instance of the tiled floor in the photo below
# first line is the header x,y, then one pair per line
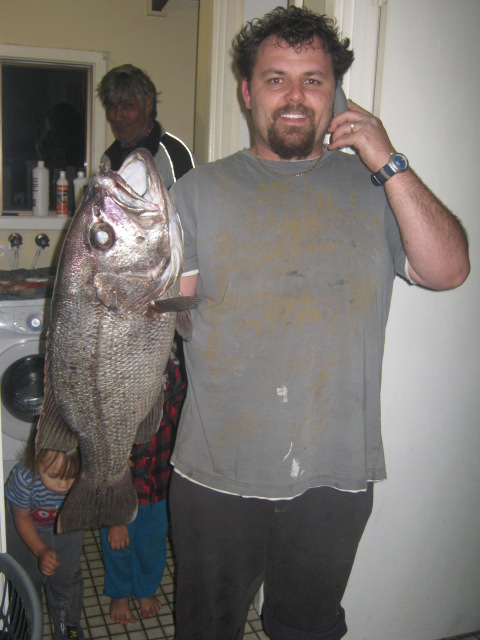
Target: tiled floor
x,y
96,622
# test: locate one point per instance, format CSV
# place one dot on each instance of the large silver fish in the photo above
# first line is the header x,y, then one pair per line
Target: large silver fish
x,y
114,312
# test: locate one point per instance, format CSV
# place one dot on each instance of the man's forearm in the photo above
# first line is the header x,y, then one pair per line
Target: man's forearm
x,y
433,238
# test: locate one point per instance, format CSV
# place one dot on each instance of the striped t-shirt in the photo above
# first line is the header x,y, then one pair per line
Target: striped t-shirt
x,y
27,492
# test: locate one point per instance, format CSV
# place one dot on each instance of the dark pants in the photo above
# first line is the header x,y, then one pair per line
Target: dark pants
x,y
302,549
64,589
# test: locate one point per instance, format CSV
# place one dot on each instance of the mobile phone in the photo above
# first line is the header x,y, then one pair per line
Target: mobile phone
x,y
339,100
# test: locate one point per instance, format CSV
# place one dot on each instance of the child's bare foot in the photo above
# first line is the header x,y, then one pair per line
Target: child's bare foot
x,y
120,611
149,606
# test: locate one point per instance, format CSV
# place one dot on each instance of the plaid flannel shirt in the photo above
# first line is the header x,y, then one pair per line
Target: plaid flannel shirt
x,y
151,460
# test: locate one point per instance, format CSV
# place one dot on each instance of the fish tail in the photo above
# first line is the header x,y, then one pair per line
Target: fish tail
x,y
90,505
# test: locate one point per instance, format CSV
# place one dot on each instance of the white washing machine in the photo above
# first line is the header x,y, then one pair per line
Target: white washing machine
x,y
22,356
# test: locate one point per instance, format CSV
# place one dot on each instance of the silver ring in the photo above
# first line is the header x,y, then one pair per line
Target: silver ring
x,y
352,124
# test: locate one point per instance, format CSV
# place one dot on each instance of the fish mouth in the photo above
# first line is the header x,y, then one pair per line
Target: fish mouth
x,y
144,273
111,186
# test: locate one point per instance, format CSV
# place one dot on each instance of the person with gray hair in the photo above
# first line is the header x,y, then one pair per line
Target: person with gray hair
x,y
134,554
129,98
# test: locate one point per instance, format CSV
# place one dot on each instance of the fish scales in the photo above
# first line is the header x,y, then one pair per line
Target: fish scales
x,y
107,346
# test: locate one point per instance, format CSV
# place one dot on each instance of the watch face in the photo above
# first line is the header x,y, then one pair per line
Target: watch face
x,y
400,162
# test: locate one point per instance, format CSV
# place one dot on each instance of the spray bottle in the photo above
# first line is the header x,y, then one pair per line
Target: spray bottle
x,y
62,195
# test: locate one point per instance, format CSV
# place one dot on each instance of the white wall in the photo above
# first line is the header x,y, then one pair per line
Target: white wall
x,y
417,574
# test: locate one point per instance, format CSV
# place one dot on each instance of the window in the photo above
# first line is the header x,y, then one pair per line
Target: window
x,y
50,112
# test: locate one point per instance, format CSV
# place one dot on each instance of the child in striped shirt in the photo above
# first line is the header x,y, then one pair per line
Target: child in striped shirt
x,y
34,493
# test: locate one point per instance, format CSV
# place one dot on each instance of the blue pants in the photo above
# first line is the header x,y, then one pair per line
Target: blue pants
x,y
64,589
137,569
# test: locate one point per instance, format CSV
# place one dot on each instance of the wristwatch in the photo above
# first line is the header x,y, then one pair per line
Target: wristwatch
x,y
396,164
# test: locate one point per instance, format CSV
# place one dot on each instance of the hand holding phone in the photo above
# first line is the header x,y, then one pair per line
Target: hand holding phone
x,y
355,128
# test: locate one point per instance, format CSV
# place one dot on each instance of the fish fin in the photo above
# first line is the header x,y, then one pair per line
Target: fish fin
x,y
180,303
123,292
150,425
52,430
90,505
185,325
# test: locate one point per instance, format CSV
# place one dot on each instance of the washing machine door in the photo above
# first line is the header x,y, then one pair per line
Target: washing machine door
x,y
22,387
22,381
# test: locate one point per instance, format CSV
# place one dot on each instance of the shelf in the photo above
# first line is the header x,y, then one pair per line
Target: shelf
x,y
51,222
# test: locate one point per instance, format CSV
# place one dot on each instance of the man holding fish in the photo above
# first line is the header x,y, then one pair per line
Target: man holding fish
x,y
292,247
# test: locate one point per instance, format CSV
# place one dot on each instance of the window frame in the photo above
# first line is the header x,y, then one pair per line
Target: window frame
x,y
96,64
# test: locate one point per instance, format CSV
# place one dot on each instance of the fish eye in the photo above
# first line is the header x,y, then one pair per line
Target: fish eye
x,y
102,236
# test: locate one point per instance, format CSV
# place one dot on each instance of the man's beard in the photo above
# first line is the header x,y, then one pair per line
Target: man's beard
x,y
291,142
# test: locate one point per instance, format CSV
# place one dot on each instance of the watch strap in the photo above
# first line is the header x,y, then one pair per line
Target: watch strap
x,y
381,176
397,163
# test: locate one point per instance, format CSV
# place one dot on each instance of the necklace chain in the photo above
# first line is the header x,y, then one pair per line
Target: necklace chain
x,y
289,175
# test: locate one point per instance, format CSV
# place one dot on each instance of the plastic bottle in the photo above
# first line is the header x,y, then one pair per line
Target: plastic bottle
x,y
40,190
62,195
79,185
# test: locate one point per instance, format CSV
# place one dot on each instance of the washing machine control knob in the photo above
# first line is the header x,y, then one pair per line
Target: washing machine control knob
x,y
35,322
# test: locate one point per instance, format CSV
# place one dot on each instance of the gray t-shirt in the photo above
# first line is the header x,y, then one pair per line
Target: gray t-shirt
x,y
284,369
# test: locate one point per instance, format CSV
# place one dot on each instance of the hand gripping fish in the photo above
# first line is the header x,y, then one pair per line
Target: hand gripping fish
x,y
115,306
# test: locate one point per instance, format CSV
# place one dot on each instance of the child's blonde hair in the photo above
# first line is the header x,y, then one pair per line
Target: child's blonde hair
x,y
71,459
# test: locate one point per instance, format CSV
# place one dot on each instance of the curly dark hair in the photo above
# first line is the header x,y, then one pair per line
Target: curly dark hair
x,y
297,27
